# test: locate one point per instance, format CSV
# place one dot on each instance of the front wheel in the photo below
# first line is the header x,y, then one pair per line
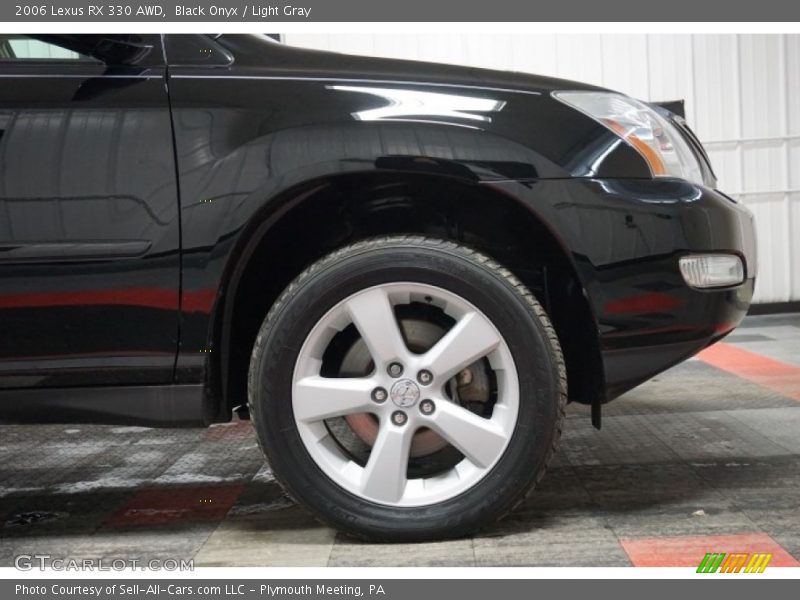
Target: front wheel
x,y
407,389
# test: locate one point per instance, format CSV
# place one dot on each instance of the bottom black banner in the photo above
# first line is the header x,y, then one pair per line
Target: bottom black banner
x,y
388,589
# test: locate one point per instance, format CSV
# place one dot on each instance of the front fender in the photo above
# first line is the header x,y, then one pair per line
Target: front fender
x,y
249,146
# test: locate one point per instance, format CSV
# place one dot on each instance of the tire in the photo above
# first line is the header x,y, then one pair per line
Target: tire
x,y
479,429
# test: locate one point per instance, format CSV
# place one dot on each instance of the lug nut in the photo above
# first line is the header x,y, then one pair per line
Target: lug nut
x,y
399,417
426,407
424,377
395,369
379,394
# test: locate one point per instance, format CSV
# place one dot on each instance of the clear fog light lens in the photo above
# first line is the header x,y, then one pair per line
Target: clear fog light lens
x,y
712,270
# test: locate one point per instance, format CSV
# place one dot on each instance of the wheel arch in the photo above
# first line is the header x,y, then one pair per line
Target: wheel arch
x,y
314,218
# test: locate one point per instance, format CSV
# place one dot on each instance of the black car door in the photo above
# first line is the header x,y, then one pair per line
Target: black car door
x,y
89,222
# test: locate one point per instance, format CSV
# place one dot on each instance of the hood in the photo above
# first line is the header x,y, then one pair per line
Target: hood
x,y
260,52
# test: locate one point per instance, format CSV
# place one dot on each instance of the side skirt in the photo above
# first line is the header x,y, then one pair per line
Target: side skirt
x,y
155,406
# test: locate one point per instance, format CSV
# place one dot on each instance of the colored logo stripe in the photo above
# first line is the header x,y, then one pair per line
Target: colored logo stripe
x,y
734,562
711,562
758,562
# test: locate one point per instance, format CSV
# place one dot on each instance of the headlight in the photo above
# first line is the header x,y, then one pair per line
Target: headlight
x,y
656,139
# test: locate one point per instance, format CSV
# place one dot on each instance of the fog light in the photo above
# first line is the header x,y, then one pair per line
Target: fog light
x,y
712,270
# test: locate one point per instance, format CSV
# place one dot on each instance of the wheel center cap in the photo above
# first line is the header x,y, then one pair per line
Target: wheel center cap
x,y
405,393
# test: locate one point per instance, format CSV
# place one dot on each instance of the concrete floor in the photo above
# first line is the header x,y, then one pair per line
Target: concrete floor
x,y
704,458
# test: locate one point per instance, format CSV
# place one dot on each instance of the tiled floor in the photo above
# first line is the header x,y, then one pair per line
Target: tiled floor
x,y
704,458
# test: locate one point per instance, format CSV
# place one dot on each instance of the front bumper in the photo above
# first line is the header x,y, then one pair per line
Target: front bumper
x,y
649,318
626,238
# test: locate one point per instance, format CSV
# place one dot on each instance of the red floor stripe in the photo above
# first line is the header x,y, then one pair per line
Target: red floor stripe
x,y
688,551
772,374
169,505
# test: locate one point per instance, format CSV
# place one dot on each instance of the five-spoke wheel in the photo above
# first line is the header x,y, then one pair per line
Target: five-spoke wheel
x,y
406,392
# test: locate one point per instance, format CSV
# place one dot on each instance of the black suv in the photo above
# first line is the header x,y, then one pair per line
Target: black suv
x,y
401,271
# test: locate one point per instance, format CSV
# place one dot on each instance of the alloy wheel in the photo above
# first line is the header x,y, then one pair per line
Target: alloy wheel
x,y
409,393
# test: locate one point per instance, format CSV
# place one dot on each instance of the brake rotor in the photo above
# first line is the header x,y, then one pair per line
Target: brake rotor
x,y
470,385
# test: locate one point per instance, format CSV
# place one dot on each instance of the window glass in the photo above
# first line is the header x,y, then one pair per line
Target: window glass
x,y
24,48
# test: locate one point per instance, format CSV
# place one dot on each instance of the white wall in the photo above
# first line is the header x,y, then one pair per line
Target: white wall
x,y
742,97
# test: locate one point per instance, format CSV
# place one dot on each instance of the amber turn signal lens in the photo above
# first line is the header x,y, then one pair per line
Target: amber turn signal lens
x,y
654,160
